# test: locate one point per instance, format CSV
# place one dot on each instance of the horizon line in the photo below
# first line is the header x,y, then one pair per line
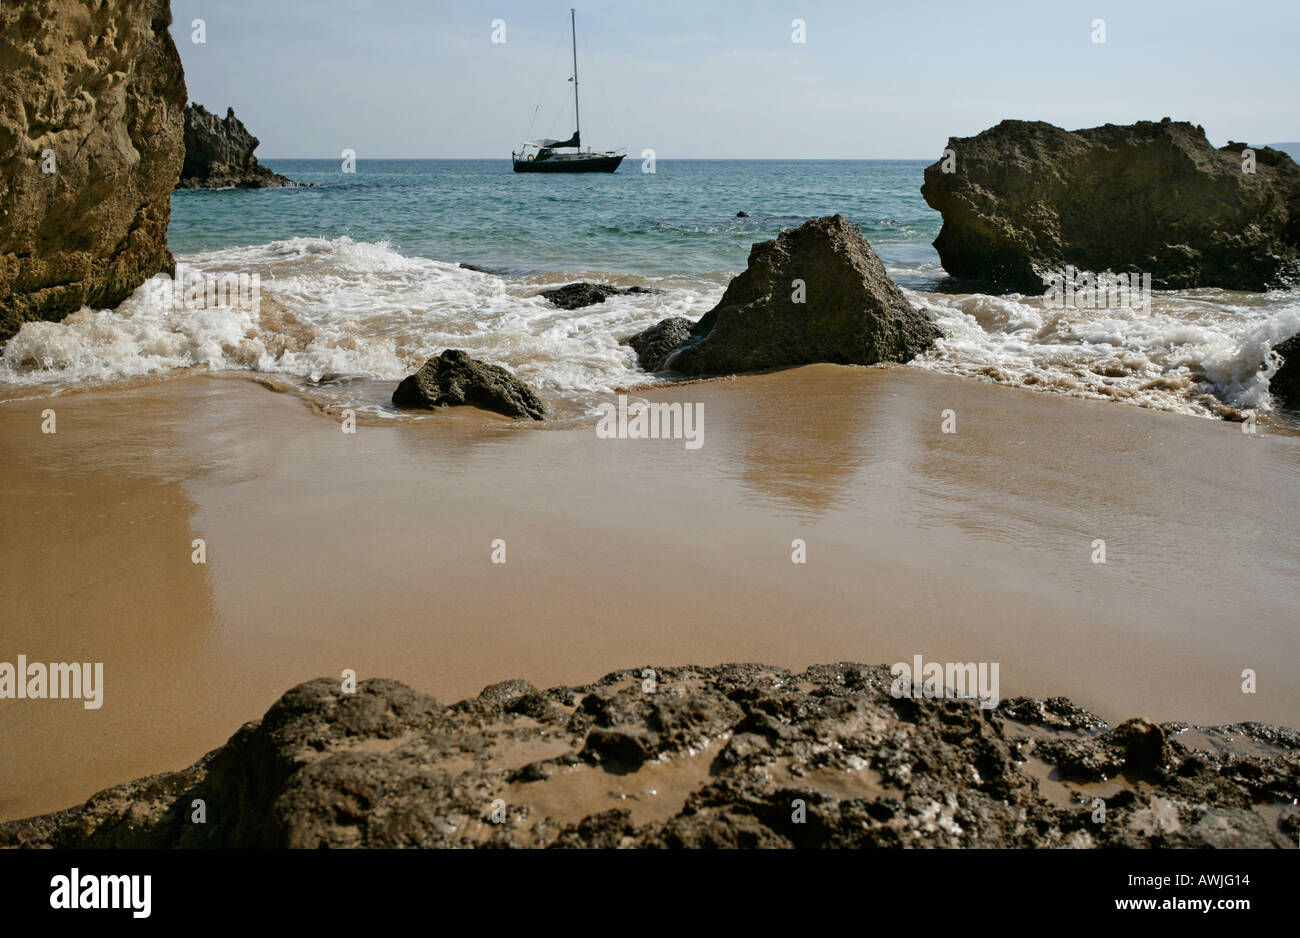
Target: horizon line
x,y
658,159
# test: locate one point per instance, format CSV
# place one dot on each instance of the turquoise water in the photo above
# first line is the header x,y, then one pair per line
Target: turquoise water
x,y
360,283
678,221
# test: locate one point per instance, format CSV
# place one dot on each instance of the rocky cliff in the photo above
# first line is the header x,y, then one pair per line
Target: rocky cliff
x,y
91,144
1026,198
219,154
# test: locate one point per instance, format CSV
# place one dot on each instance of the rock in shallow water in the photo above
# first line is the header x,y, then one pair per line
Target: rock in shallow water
x,y
651,345
817,293
584,293
1026,198
1285,383
453,379
727,756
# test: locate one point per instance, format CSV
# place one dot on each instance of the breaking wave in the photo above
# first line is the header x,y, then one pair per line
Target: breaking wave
x,y
333,309
1205,352
341,308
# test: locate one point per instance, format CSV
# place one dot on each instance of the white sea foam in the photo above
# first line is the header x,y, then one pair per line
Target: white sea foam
x,y
339,309
1194,352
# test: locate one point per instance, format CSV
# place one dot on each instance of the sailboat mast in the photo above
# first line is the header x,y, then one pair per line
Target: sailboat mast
x,y
577,123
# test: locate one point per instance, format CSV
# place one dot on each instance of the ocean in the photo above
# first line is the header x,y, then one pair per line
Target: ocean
x,y
360,281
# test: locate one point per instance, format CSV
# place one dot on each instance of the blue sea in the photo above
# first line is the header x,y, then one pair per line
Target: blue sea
x,y
360,280
679,221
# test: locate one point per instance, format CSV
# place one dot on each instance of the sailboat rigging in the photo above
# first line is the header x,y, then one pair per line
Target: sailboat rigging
x,y
541,156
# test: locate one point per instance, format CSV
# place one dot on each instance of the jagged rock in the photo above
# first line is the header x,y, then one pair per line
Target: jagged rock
x,y
847,310
1027,198
94,93
583,293
1285,383
453,379
651,345
219,154
716,757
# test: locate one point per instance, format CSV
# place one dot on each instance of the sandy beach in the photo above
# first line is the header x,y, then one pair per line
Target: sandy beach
x,y
373,551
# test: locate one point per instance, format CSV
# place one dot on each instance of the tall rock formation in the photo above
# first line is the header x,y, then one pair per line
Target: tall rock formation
x,y
817,293
91,144
219,154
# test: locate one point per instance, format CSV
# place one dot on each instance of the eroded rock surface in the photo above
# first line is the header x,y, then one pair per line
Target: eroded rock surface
x,y
91,144
817,293
1025,198
219,154
729,756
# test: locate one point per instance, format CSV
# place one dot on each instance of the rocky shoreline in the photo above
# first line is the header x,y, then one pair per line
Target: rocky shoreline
x,y
219,154
741,755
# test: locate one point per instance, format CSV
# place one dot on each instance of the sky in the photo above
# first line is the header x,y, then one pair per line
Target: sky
x,y
725,80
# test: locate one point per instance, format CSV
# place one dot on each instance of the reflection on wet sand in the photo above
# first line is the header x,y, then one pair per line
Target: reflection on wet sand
x,y
373,552
96,532
791,448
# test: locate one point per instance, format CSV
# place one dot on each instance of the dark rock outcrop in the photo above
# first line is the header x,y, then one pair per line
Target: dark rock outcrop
x,y
453,379
219,154
653,344
584,293
1027,198
91,114
730,756
1285,383
817,293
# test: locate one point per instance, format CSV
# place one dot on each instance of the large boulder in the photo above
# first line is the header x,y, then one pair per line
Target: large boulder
x,y
817,293
1285,383
91,111
219,154
1025,199
453,379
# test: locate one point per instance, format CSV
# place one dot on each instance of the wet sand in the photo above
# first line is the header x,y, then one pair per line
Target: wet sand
x,y
373,551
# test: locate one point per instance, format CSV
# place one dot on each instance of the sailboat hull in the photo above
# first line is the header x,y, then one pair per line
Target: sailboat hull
x,y
579,164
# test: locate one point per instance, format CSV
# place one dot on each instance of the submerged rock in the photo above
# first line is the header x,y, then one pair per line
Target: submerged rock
x,y
90,147
817,293
1285,383
653,344
737,755
453,379
1026,199
584,293
219,154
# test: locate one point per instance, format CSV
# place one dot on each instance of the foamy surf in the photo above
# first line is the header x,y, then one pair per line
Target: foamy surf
x,y
338,309
1203,352
333,310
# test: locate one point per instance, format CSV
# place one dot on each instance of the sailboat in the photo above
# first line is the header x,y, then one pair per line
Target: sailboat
x,y
541,156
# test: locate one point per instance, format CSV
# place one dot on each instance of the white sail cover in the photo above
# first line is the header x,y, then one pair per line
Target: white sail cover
x,y
570,142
